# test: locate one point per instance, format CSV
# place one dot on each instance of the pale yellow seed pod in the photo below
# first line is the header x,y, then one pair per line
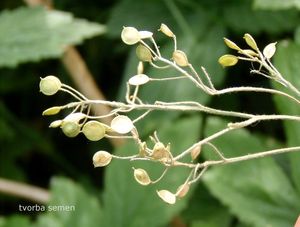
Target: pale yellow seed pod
x,y
143,53
231,44
56,124
49,85
249,52
140,68
70,128
141,176
182,190
269,50
130,35
145,34
51,111
167,196
195,152
139,79
180,58
250,41
121,124
166,30
93,130
101,158
228,60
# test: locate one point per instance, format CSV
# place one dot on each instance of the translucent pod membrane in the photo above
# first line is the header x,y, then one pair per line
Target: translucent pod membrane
x,y
121,124
139,79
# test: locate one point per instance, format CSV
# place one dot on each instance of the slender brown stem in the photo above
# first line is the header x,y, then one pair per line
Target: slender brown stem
x,y
25,191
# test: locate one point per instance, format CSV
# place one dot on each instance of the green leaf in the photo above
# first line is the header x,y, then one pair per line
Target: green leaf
x,y
77,207
242,17
129,204
37,34
16,221
257,191
286,60
276,4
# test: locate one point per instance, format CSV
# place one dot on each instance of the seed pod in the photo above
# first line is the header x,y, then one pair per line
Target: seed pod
x,y
160,152
141,176
139,79
180,58
101,158
249,52
93,130
140,68
121,124
231,44
49,85
195,152
270,50
166,30
130,35
55,124
51,111
167,196
143,53
70,128
75,117
250,41
182,190
228,60
145,34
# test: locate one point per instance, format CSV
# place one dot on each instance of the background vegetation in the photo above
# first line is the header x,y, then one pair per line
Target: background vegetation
x,y
258,193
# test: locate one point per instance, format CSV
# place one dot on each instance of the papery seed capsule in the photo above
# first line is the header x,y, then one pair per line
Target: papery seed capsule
x,y
145,34
182,190
231,44
130,35
166,30
50,85
250,41
180,58
121,124
143,53
70,128
195,152
140,68
93,130
55,124
101,158
139,79
160,152
141,176
167,196
228,60
270,50
248,52
75,117
51,111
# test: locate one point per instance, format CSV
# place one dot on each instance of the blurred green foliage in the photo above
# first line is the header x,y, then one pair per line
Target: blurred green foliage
x,y
256,193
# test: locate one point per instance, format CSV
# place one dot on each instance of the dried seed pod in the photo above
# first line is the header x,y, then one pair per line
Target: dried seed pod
x,y
167,196
196,152
160,152
145,34
141,176
55,124
166,30
143,53
139,79
70,128
250,41
51,111
93,130
101,158
231,44
130,35
180,58
121,124
228,60
49,85
182,190
75,117
270,50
